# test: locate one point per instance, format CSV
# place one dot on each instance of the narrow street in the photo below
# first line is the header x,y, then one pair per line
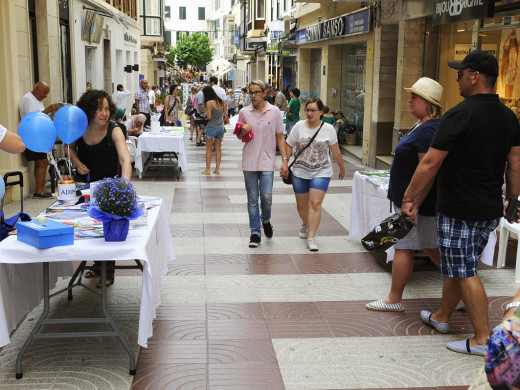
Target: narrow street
x,y
273,317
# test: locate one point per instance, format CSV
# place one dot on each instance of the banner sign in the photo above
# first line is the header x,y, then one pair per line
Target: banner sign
x,y
349,24
451,11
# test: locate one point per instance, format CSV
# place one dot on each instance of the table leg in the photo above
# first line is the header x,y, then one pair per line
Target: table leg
x,y
121,337
42,318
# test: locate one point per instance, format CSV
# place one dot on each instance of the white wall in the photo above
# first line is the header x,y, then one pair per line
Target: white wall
x,y
121,53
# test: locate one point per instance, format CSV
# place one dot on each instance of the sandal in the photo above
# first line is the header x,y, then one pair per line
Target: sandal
x,y
109,282
205,173
216,172
91,275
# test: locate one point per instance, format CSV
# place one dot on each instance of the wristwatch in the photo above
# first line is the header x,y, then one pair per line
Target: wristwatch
x,y
285,158
510,305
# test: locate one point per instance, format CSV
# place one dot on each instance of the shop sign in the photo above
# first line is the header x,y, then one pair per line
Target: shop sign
x,y
236,39
451,11
350,24
129,38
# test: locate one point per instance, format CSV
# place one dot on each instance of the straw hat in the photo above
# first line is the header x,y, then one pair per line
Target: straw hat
x,y
430,90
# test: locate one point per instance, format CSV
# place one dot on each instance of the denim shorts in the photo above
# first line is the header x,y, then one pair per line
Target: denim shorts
x,y
302,186
461,243
215,132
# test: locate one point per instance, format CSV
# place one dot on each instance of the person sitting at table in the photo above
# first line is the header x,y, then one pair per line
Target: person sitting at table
x,y
136,128
424,104
120,118
100,152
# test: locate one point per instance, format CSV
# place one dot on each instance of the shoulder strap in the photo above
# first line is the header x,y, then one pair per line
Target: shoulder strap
x,y
306,146
174,102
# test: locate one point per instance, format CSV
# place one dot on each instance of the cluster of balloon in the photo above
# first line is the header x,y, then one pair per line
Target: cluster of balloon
x,y
38,131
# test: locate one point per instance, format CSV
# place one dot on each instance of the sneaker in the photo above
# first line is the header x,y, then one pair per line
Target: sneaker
x,y
268,229
312,245
443,327
303,231
47,195
254,241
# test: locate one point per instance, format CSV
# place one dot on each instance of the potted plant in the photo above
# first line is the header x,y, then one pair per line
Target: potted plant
x,y
116,204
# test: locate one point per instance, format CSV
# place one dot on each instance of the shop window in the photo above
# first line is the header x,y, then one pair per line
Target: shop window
x,y
202,13
353,71
182,13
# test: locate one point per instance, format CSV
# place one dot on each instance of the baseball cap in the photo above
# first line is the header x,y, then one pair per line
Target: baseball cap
x,y
480,61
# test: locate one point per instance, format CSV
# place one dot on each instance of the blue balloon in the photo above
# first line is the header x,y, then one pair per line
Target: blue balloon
x,y
2,187
70,123
37,132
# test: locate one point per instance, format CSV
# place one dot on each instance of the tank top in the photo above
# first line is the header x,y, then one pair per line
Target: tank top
x,y
102,159
217,118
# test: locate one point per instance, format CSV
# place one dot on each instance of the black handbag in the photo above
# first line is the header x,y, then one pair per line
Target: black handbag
x,y
387,233
189,107
288,180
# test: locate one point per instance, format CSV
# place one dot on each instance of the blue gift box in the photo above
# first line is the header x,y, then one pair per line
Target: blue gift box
x,y
45,234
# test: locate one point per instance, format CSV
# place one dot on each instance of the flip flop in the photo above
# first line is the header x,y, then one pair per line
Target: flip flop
x,y
205,173
216,173
91,274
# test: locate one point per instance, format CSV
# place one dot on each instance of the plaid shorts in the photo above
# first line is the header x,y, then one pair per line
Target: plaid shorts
x,y
461,243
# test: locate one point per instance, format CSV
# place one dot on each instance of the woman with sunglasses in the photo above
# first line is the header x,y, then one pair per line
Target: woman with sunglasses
x,y
172,105
312,170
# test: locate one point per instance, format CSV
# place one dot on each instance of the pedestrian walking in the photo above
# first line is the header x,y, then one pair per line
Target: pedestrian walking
x,y
258,158
474,144
312,170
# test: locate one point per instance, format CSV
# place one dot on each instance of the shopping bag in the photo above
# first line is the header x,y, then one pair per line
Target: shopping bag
x,y
9,224
387,233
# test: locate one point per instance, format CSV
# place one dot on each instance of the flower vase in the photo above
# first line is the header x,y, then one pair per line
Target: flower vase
x,y
116,229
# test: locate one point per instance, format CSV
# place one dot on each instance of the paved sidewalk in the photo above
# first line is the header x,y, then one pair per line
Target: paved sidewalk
x,y
279,316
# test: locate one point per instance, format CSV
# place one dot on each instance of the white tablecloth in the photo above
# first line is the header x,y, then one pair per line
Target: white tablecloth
x,y
161,142
152,245
370,206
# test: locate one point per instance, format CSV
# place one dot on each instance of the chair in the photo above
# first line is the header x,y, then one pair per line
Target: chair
x,y
505,228
130,143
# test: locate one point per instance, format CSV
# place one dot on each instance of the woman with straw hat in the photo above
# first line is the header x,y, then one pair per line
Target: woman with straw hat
x,y
424,104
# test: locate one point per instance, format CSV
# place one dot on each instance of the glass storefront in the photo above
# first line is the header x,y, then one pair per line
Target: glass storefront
x,y
352,93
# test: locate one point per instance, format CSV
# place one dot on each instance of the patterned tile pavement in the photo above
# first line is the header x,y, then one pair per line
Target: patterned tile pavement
x,y
278,316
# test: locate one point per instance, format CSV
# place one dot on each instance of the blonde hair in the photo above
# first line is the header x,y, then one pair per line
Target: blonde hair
x,y
260,83
433,110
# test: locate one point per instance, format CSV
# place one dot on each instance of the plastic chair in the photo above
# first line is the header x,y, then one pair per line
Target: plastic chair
x,y
130,143
505,229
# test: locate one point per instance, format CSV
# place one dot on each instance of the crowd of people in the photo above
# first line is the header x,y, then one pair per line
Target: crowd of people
x,y
454,200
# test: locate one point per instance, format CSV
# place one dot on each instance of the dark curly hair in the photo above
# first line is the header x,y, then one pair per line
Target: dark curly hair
x,y
91,100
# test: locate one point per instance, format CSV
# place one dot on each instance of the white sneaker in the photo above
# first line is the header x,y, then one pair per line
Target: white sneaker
x,y
303,231
312,245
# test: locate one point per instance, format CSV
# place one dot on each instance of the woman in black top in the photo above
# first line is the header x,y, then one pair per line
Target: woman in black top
x,y
101,151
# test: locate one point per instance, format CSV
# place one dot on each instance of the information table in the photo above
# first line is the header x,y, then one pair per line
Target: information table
x,y
149,243
163,142
370,206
